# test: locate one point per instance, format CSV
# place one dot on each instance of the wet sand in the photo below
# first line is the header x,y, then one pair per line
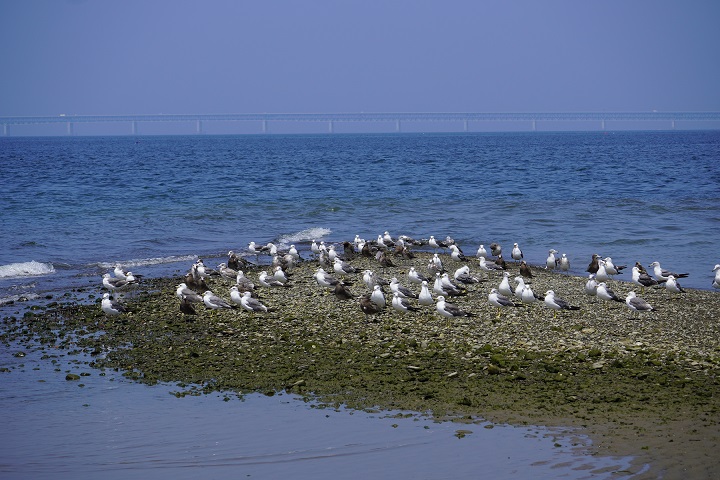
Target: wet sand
x,y
641,384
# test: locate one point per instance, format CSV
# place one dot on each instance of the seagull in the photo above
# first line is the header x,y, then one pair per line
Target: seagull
x,y
504,287
402,305
525,270
661,274
449,310
557,303
415,277
235,261
495,249
436,243
387,239
186,306
383,259
342,292
481,252
378,297
516,253
593,267
673,285
235,295
447,283
214,302
437,263
637,304
252,304
226,272
243,282
368,307
456,254
268,281
314,248
500,261
425,297
499,300
520,287
716,280
118,272
279,275
528,296
606,294
293,252
551,261
610,267
111,307
564,263
324,279
113,283
591,286
489,265
446,288
462,275
602,275
183,292
642,279
402,291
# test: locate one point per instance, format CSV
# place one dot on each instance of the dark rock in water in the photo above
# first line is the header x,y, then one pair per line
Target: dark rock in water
x,y
19,354
72,376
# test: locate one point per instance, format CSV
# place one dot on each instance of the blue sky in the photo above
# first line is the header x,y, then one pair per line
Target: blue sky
x,y
234,56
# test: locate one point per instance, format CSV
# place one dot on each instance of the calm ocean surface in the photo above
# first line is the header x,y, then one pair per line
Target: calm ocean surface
x,y
73,207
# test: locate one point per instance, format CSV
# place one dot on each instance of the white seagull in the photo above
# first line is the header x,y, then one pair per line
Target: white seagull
x,y
184,292
111,307
481,252
551,261
415,277
463,275
402,305
605,293
673,285
591,286
425,297
343,268
557,303
504,287
401,290
564,263
448,310
716,280
516,253
214,302
499,300
324,279
637,304
251,304
662,274
377,296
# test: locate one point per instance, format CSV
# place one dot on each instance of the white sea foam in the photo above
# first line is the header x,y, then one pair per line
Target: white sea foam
x,y
303,235
17,298
143,262
26,269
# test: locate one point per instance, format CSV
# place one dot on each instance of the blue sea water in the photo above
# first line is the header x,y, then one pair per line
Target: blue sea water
x,y
73,207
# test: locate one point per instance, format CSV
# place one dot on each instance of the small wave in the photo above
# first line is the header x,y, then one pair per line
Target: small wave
x,y
26,269
142,262
17,298
304,235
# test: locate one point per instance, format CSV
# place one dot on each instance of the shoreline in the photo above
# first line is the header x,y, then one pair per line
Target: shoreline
x,y
642,385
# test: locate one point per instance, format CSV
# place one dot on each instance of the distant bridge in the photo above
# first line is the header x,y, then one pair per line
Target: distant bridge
x,y
396,118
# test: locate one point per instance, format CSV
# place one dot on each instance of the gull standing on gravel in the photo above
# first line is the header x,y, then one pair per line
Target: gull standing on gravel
x,y
605,293
402,305
378,297
602,275
324,279
642,279
551,261
415,277
564,263
462,275
637,304
252,304
662,274
495,249
499,300
448,310
525,270
557,303
401,290
591,286
481,252
425,297
489,265
528,296
504,287
519,288
343,268
184,292
111,307
516,253
456,254
269,281
673,285
716,280
214,302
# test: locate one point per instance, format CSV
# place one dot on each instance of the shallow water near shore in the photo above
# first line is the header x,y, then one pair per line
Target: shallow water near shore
x,y
106,425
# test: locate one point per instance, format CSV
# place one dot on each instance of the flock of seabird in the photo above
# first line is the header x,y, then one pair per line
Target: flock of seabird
x,y
385,250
